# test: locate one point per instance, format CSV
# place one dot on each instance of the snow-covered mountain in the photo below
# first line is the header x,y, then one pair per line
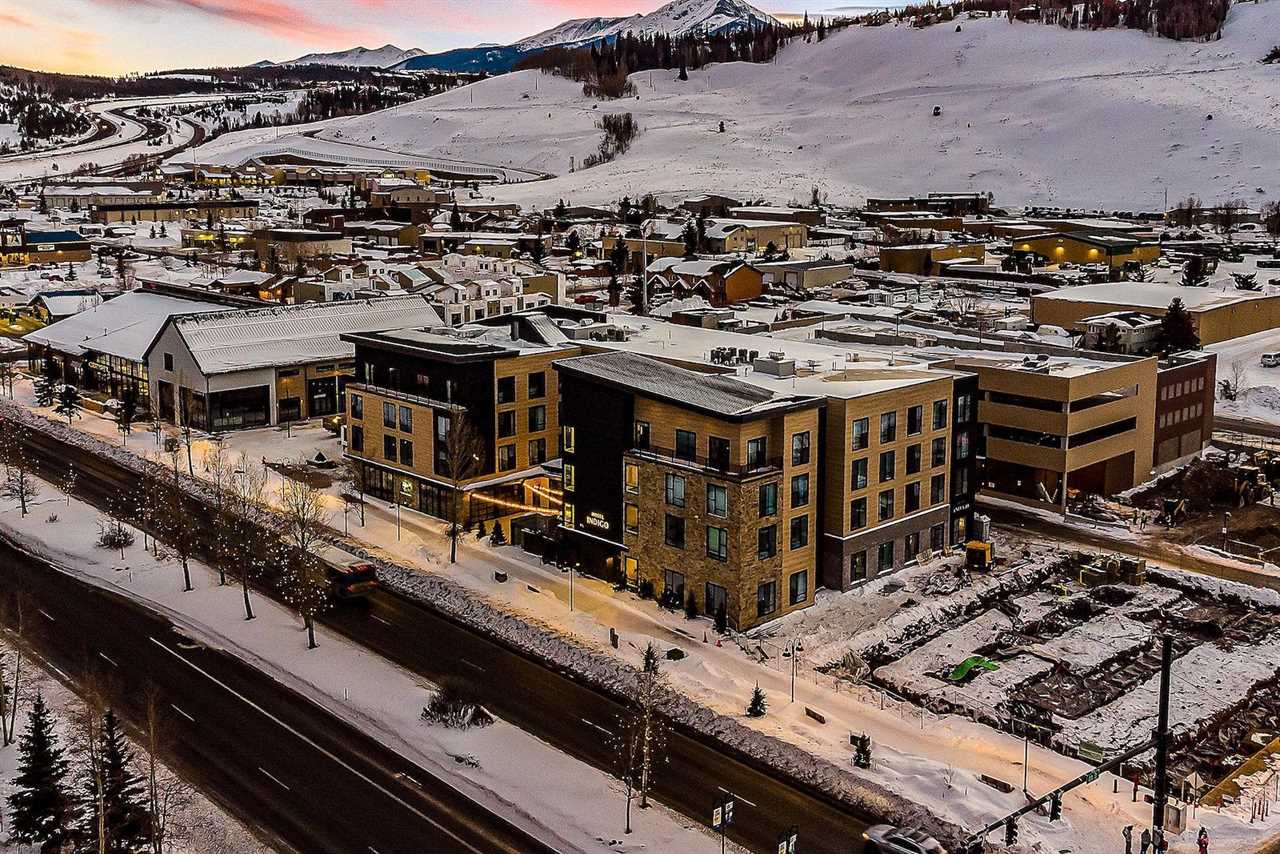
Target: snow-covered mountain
x,y
677,18
1034,113
360,57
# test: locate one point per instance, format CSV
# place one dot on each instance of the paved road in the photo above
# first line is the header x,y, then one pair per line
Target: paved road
x,y
547,703
277,760
1244,425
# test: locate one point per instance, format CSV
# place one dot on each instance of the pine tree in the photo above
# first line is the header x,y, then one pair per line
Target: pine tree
x,y
455,218
68,405
1177,329
127,823
40,809
46,392
498,538
758,705
690,237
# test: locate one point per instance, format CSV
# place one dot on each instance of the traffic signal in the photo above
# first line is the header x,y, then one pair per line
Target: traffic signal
x,y
1010,832
1055,807
974,846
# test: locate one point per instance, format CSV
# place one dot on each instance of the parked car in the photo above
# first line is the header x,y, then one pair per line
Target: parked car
x,y
1271,360
887,839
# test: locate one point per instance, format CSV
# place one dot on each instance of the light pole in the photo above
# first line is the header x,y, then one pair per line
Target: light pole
x,y
1225,518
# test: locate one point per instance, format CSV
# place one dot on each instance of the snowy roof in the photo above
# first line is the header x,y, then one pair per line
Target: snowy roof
x,y
67,303
1148,295
294,334
124,327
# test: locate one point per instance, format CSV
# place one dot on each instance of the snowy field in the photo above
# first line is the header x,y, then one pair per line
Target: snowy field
x,y
1035,113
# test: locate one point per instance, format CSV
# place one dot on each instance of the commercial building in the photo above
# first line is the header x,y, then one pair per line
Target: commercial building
x,y
86,196
416,390
1184,406
237,369
283,248
207,211
1114,251
719,282
921,259
19,245
1219,314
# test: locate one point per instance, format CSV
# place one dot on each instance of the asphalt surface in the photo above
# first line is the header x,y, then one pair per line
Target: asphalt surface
x,y
309,781
1244,425
576,718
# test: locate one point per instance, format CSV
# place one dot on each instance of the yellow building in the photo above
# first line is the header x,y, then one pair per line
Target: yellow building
x,y
1113,251
921,259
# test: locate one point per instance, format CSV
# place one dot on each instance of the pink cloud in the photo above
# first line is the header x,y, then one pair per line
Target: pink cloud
x,y
280,18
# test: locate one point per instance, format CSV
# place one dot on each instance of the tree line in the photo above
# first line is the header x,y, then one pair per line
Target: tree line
x,y
1175,19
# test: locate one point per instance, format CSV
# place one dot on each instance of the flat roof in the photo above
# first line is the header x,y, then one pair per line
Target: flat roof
x,y
1154,296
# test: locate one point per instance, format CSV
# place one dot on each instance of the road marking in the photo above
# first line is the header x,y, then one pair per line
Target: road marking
x,y
374,850
380,620
596,726
45,614
471,664
326,753
735,797
184,714
400,775
273,778
107,659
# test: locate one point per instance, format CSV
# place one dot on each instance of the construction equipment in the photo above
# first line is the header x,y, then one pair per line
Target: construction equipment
x,y
979,555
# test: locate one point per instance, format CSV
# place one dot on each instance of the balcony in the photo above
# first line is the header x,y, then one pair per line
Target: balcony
x,y
1103,413
717,466
1023,417
395,394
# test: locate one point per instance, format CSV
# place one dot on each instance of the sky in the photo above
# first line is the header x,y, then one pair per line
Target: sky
x,y
119,36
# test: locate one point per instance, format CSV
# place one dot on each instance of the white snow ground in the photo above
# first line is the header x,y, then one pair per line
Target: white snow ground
x,y
1034,113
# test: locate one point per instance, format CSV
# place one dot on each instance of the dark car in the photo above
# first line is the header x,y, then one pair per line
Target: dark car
x,y
887,839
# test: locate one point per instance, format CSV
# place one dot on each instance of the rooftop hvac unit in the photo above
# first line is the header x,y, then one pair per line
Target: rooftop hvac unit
x,y
776,364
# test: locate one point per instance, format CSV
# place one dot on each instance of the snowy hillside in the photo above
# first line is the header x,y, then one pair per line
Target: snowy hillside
x,y
360,57
1031,112
573,31
677,18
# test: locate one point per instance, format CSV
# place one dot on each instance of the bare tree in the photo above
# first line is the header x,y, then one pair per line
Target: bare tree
x,y
16,621
306,583
167,794
463,456
251,553
649,689
174,524
86,743
7,375
219,471
20,484
69,482
359,483
1235,381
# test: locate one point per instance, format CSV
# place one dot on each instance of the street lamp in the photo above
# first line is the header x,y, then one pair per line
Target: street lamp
x,y
1225,517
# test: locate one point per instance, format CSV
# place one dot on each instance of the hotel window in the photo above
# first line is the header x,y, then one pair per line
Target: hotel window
x,y
675,490
357,407
631,518
911,545
506,390
799,532
406,419
960,482
718,452
885,556
767,542
798,585
568,515
937,489
506,424
911,498
964,408
800,449
938,456
686,445
389,448
939,414
768,499
538,385
860,473
962,445
861,434
673,584
631,476
567,439
800,490
915,420
389,415
718,543
858,566
766,598
888,462
717,500
673,531
443,425
914,459
858,513
642,434
406,452
506,457
570,476
715,599
537,451
757,453
885,505
537,419
888,427
357,438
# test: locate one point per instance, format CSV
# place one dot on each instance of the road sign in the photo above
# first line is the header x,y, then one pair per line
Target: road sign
x,y
1090,751
728,811
716,817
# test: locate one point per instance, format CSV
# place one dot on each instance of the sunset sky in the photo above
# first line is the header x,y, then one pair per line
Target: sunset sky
x,y
117,36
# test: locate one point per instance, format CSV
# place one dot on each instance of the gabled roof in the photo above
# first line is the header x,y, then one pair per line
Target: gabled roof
x,y
124,327
294,334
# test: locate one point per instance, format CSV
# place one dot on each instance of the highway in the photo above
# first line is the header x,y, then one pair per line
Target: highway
x,y
552,705
304,779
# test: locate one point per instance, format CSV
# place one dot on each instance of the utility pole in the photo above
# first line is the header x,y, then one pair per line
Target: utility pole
x,y
1161,784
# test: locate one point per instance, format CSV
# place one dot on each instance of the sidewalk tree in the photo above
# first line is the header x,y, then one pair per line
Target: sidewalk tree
x,y
359,482
45,383
127,413
15,611
167,794
758,705
69,403
306,583
463,458
20,483
86,745
648,692
7,376
219,471
252,553
41,810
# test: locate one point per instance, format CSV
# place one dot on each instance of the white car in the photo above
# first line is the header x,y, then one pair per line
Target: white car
x,y
887,839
